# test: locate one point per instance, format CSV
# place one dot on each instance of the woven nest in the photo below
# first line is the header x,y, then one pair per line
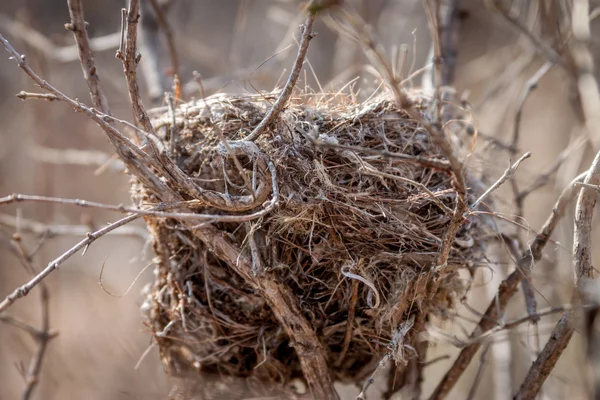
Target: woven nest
x,y
348,216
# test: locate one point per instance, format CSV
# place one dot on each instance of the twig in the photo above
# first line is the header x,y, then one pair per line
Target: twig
x,y
502,326
508,173
42,96
284,305
433,18
50,231
162,20
43,337
47,47
150,47
543,178
23,290
506,290
16,198
448,33
91,158
479,374
538,43
173,131
530,86
349,323
130,59
588,186
272,114
396,345
90,73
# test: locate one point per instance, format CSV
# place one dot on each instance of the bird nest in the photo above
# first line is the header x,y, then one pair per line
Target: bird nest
x,y
340,207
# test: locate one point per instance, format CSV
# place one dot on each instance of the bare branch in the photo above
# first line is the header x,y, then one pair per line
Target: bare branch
x,y
90,73
89,158
150,47
130,60
44,45
50,231
163,22
530,86
272,114
508,173
538,43
448,33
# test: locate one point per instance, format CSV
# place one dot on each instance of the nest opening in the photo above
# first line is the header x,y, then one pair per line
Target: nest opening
x,y
349,216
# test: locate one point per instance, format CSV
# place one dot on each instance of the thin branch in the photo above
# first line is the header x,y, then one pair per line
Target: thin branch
x,y
24,290
90,73
508,173
544,178
162,20
307,35
530,86
448,33
482,363
432,8
47,47
130,59
485,337
90,158
42,96
537,42
126,150
52,230
43,338
150,47
16,198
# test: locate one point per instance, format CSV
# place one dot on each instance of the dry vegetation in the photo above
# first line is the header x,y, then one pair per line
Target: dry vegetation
x,y
338,234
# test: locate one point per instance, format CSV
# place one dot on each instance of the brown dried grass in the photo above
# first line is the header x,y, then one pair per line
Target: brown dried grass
x,y
357,226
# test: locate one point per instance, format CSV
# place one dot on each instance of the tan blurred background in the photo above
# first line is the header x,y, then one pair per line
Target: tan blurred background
x,y
101,338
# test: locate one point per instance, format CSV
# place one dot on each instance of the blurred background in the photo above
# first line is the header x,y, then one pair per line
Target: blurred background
x,y
245,46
